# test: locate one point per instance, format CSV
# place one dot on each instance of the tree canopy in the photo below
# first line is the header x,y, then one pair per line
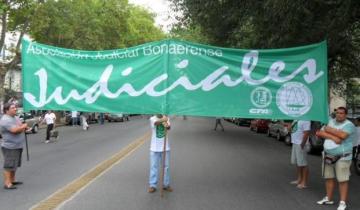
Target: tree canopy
x,y
75,24
280,24
93,24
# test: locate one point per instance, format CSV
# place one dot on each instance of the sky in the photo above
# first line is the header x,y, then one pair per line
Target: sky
x,y
164,16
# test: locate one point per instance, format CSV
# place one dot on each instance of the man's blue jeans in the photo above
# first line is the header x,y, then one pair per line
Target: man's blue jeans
x,y
155,163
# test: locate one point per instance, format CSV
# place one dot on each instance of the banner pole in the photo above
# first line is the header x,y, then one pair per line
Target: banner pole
x,y
163,167
27,147
26,140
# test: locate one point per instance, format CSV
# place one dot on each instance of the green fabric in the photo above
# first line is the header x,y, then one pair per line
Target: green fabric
x,y
160,131
177,77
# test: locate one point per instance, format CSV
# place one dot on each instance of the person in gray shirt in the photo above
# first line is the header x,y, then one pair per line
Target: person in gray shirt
x,y
13,135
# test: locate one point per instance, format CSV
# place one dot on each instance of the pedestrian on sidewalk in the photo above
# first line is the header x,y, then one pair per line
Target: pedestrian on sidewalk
x,y
218,122
300,131
338,135
13,134
160,124
49,119
84,123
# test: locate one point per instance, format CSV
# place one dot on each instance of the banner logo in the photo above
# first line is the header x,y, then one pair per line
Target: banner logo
x,y
261,97
294,99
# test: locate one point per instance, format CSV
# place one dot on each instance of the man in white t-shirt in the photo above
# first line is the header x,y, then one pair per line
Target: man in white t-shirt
x,y
49,118
74,118
300,131
160,124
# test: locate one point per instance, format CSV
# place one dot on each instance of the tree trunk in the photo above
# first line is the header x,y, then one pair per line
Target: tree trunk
x,y
3,25
2,80
26,24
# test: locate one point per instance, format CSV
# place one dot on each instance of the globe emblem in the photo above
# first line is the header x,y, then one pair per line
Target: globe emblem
x,y
294,99
261,97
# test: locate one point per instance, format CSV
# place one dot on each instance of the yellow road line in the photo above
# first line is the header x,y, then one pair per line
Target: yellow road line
x,y
68,191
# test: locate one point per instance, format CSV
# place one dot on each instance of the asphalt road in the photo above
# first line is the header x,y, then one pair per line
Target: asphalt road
x,y
54,165
235,169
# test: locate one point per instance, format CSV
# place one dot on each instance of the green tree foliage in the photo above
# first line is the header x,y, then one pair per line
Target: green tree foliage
x,y
93,24
281,24
14,17
192,33
352,94
76,24
141,27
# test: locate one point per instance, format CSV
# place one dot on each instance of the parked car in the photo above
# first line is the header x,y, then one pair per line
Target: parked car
x,y
242,121
31,120
112,117
229,119
93,117
280,129
259,125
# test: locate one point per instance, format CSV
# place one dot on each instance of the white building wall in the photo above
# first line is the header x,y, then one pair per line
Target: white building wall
x,y
13,80
336,101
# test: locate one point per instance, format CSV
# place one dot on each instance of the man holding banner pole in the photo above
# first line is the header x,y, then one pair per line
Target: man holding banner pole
x,y
13,131
159,151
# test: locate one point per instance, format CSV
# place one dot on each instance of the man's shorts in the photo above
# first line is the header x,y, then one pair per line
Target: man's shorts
x,y
298,155
12,158
340,170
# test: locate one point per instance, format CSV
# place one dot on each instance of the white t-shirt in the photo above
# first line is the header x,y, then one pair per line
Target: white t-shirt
x,y
50,118
73,114
157,136
297,131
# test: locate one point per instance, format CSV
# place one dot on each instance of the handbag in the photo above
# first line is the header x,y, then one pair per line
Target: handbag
x,y
331,159
54,133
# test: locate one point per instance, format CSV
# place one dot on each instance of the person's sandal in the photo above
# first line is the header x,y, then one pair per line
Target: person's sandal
x,y
299,186
151,189
295,182
169,189
11,187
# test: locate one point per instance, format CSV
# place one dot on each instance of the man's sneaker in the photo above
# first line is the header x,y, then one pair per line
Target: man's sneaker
x,y
47,141
325,201
342,205
169,189
151,189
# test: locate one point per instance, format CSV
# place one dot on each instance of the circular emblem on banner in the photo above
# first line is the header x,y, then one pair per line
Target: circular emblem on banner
x,y
261,97
294,99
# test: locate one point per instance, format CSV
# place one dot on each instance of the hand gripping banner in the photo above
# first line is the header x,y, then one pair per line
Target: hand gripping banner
x,y
177,77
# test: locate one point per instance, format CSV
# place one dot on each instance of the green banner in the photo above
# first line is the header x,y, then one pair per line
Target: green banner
x,y
177,77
